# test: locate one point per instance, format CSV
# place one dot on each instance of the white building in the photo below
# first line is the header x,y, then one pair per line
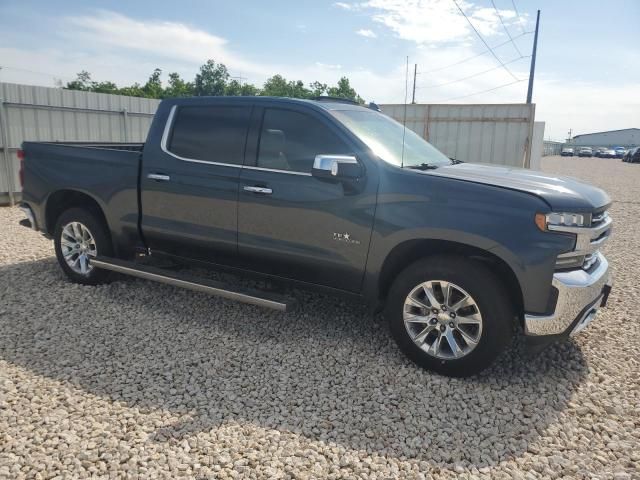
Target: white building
x,y
624,138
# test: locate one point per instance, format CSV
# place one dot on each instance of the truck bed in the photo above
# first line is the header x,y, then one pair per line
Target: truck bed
x,y
107,171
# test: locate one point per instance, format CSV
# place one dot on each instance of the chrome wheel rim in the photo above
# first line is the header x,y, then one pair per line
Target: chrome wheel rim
x,y
442,319
78,246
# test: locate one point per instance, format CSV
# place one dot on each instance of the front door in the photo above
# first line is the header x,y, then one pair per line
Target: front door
x,y
292,224
190,185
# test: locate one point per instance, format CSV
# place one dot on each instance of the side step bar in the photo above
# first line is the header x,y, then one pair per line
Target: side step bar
x,y
212,287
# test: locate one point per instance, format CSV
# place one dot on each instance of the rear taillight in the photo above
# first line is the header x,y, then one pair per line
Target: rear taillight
x,y
21,171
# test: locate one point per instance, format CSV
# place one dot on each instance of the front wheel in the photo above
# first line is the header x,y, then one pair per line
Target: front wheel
x,y
79,236
450,315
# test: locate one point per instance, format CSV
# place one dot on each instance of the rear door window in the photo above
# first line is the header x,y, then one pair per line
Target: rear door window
x,y
210,133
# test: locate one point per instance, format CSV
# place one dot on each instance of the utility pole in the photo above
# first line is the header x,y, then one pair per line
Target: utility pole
x,y
240,78
532,71
570,131
415,72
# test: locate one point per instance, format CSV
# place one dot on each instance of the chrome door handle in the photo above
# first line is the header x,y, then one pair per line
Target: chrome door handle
x,y
263,190
159,176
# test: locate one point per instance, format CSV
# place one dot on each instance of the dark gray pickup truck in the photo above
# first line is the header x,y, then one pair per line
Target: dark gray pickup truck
x,y
337,197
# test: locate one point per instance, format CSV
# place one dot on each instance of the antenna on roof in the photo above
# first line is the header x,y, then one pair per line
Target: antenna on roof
x,y
404,120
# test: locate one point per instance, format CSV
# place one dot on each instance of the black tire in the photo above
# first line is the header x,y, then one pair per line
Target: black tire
x,y
102,239
482,285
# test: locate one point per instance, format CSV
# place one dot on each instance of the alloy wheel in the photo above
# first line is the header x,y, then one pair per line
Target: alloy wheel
x,y
442,319
78,246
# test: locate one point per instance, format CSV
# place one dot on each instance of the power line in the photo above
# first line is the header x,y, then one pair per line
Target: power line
x,y
505,27
517,14
473,75
484,41
483,91
472,57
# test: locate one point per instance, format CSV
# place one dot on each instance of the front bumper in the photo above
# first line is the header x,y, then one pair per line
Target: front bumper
x,y
580,294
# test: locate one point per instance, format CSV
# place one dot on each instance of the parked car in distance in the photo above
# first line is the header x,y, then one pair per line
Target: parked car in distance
x,y
334,197
567,152
628,154
620,151
598,151
608,153
632,155
585,152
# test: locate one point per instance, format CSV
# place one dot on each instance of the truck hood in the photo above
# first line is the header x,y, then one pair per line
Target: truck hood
x,y
560,192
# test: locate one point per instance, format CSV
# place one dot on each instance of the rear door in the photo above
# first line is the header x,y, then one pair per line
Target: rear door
x,y
292,224
189,186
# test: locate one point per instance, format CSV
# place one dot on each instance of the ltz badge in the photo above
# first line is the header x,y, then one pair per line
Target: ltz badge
x,y
345,238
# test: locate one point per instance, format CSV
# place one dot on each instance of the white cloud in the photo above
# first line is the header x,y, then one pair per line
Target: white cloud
x,y
118,48
163,39
344,6
432,21
366,33
329,66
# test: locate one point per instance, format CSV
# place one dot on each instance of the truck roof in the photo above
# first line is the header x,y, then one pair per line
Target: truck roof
x,y
327,104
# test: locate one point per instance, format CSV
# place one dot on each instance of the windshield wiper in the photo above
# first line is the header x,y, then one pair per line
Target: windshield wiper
x,y
455,161
422,166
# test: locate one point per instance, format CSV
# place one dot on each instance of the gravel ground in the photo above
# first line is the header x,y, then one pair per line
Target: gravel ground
x,y
135,379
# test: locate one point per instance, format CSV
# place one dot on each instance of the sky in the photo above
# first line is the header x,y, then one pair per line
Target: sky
x,y
587,71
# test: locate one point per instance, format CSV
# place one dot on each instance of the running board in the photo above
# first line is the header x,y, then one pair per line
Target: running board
x,y
212,287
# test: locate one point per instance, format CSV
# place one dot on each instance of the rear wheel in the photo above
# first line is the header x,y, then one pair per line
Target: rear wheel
x,y
450,315
79,236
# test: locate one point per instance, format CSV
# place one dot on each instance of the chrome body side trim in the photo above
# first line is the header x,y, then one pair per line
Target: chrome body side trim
x,y
167,130
289,172
576,290
165,139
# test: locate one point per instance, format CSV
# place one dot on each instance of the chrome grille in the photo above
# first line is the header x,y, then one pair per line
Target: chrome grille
x,y
598,218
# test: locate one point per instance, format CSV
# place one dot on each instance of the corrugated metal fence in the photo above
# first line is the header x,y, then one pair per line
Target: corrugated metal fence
x,y
499,134
552,148
54,114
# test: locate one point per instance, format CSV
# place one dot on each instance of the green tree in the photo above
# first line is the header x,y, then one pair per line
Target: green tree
x,y
212,79
153,87
278,86
82,82
344,90
249,90
236,89
134,90
105,87
318,89
275,86
177,87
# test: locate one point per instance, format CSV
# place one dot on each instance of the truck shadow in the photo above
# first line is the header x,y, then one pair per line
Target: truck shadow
x,y
327,371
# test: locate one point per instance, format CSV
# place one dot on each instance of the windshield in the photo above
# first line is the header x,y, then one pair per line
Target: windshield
x,y
383,135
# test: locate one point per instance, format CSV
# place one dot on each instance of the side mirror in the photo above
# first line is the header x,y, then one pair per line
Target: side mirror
x,y
336,167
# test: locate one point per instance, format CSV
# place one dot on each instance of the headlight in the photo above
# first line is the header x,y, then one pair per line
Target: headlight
x,y
557,219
